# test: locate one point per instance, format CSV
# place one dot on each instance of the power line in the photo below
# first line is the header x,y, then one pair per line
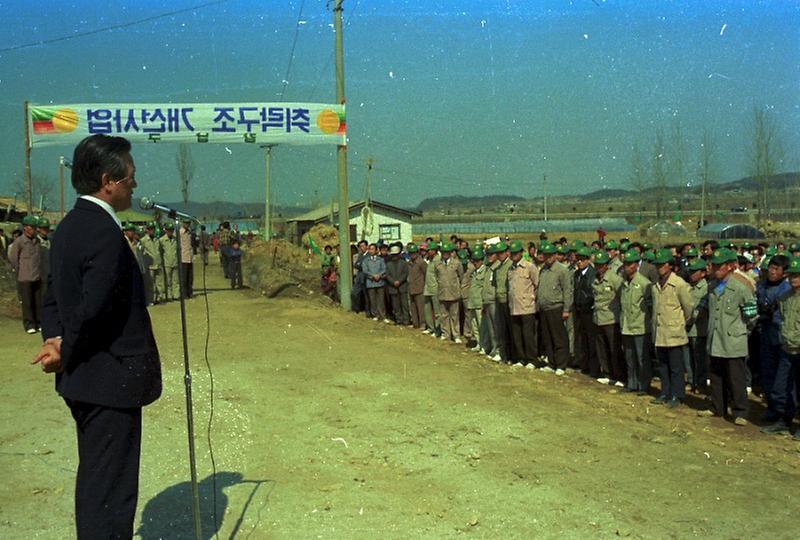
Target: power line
x,y
110,28
291,53
330,58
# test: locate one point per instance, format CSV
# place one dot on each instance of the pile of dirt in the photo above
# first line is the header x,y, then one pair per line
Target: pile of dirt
x,y
9,304
784,231
323,235
276,266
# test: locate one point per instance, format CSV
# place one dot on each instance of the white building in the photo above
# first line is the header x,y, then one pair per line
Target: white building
x,y
373,222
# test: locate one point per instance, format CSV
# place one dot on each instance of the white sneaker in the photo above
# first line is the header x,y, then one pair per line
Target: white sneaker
x,y
476,348
496,358
547,369
433,335
604,380
619,384
31,330
530,365
387,321
560,372
457,340
374,318
442,337
518,364
426,331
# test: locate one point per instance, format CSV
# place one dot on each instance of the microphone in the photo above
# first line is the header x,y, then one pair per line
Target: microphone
x,y
146,203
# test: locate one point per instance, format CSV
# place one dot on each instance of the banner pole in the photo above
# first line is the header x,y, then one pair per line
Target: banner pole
x,y
346,261
28,186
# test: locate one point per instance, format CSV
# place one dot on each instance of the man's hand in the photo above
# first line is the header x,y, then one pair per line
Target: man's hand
x,y
564,315
49,356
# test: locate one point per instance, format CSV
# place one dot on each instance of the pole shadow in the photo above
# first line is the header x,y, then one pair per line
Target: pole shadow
x,y
169,513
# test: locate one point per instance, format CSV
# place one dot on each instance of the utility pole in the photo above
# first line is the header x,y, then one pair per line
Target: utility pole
x,y
28,186
544,188
703,205
345,266
267,213
61,182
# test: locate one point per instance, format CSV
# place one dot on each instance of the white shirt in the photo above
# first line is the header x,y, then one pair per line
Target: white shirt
x,y
105,206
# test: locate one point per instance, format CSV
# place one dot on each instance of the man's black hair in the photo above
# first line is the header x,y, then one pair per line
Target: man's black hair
x,y
780,260
362,242
713,243
97,155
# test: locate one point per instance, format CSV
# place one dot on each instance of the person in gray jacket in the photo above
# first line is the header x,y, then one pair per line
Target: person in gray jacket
x,y
554,304
374,268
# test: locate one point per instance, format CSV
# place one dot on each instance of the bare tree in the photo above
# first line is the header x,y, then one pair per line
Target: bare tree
x,y
660,175
765,156
42,187
638,177
707,149
185,163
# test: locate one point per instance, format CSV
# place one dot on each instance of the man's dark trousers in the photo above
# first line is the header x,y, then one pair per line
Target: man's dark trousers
x,y
555,337
584,342
729,386
187,275
31,296
523,338
109,441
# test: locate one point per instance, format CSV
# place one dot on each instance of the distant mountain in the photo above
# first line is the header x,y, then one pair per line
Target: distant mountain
x,y
459,201
209,211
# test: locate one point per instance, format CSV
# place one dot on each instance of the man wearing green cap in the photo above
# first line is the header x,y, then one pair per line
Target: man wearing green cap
x,y
523,280
416,285
151,260
489,311
25,256
554,304
614,262
672,308
169,260
697,326
431,292
448,273
474,300
731,310
502,319
787,378
636,303
606,289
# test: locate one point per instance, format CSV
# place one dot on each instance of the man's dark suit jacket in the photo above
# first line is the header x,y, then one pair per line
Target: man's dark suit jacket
x,y
583,296
95,301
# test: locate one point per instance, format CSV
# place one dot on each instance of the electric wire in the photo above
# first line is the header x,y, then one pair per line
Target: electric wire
x,y
112,27
291,52
211,406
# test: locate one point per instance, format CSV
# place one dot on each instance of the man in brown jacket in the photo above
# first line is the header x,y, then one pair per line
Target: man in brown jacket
x,y
448,273
523,280
25,258
416,285
672,308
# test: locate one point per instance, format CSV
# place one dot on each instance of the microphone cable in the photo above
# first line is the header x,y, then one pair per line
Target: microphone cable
x,y
211,401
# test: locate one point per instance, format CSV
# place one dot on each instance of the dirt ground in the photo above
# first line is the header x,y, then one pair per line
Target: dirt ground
x,y
328,425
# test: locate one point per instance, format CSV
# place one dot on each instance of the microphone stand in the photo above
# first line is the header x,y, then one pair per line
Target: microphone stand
x,y
187,379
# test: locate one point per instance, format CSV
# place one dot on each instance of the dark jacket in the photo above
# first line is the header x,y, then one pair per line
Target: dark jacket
x,y
583,296
95,301
396,270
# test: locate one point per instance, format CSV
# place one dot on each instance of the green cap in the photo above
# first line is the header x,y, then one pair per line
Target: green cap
x,y
30,220
729,245
722,256
794,247
692,252
624,246
140,230
612,245
563,249
500,247
462,254
697,264
584,251
794,266
601,258
771,250
631,256
515,246
547,248
575,245
43,222
478,254
128,226
647,245
648,255
412,248
662,256
747,245
447,247
432,246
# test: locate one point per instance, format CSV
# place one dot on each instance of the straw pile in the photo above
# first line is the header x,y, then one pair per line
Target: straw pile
x,y
277,266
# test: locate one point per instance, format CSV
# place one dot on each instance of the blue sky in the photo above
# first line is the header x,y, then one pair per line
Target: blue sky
x,y
458,97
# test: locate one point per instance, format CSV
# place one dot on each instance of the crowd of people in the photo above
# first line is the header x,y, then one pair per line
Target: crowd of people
x,y
719,321
154,246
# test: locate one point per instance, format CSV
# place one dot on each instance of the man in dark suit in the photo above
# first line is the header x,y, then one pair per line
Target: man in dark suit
x,y
584,305
98,338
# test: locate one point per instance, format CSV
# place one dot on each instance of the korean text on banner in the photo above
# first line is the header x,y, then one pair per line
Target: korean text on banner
x,y
255,123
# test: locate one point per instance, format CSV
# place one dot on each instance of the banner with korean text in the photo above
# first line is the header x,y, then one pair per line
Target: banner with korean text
x,y
254,123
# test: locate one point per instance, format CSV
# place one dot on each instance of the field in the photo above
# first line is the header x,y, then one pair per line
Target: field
x,y
329,425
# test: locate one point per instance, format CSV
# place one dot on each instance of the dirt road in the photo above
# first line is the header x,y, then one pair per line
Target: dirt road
x,y
331,426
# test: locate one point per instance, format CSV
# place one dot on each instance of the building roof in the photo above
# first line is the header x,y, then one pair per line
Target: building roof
x,y
323,212
730,230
